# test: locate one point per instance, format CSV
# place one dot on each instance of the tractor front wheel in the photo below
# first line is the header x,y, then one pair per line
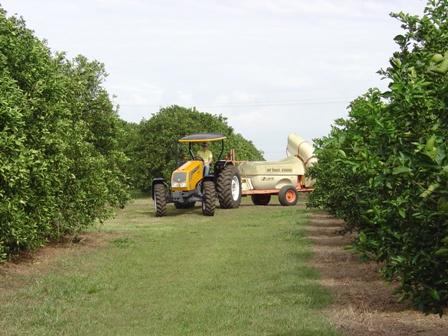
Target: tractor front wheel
x,y
159,199
209,198
228,186
261,199
287,196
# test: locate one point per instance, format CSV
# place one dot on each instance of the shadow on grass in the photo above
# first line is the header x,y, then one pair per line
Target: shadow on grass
x,y
261,206
306,294
302,255
300,272
173,212
138,194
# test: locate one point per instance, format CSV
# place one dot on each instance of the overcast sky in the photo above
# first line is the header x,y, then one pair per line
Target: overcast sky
x,y
271,66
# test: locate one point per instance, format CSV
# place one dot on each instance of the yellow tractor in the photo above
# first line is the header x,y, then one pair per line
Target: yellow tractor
x,y
189,184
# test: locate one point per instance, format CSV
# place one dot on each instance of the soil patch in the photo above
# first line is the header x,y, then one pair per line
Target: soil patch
x,y
363,303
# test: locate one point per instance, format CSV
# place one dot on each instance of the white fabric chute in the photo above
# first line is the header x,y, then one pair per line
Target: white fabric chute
x,y
302,149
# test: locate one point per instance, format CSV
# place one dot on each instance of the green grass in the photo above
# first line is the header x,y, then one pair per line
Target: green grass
x,y
242,272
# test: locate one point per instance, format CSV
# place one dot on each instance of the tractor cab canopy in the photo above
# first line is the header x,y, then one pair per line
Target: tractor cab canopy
x,y
203,137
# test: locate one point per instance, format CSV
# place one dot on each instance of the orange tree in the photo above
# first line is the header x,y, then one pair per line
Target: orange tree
x,y
60,162
384,169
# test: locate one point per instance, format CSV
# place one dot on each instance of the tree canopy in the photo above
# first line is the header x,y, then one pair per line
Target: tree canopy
x,y
384,169
61,164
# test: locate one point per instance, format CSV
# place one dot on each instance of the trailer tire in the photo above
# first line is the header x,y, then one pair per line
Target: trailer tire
x,y
228,186
209,198
288,196
160,199
262,199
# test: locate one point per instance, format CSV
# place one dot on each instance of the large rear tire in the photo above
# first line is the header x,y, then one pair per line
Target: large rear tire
x,y
160,199
288,196
261,199
228,186
209,198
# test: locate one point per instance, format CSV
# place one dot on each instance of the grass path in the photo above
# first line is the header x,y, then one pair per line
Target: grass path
x,y
242,272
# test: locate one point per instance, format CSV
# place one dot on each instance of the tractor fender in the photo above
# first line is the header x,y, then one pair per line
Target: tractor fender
x,y
155,181
220,165
210,177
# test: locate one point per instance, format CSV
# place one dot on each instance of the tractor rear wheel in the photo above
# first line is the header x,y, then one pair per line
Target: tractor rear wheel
x,y
228,186
209,198
187,205
160,199
261,199
287,196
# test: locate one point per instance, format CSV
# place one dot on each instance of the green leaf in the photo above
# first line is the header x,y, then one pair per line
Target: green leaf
x,y
401,170
362,237
437,58
429,190
430,144
442,205
435,294
342,153
442,252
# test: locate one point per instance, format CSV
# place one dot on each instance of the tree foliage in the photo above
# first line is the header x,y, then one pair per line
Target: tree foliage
x,y
384,170
156,152
61,164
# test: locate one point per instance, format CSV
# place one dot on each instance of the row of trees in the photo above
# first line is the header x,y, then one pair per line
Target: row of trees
x,y
60,162
66,158
384,169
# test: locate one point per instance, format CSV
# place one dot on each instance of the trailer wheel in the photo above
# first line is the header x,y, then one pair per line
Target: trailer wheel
x,y
187,205
159,199
287,196
261,199
228,186
209,198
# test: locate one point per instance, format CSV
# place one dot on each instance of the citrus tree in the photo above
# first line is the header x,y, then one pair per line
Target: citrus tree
x,y
60,162
384,169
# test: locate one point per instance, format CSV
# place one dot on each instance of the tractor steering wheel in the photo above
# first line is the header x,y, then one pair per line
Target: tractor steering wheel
x,y
198,158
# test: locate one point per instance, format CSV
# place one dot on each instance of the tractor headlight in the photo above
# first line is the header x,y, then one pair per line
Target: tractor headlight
x,y
179,185
179,180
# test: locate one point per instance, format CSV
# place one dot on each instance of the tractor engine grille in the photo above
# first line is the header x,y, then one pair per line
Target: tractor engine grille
x,y
179,180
